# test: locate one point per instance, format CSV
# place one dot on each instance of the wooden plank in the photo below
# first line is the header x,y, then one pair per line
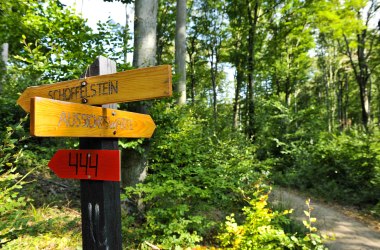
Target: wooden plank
x,y
100,200
127,86
86,164
52,118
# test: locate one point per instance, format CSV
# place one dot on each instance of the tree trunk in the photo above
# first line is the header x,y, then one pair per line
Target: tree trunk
x,y
346,100
126,34
213,80
252,20
287,91
340,102
363,78
3,63
193,58
239,83
378,104
364,102
163,24
328,105
144,54
180,50
192,76
214,61
362,74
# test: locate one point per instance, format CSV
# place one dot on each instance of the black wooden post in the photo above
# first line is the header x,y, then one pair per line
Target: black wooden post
x,y
100,200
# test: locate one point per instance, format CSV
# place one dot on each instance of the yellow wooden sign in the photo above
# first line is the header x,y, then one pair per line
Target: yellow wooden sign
x,y
64,119
127,86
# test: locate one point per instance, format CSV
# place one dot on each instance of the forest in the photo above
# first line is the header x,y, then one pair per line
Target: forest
x,y
266,94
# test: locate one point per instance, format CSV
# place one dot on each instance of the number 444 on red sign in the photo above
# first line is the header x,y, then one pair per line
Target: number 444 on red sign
x,y
87,164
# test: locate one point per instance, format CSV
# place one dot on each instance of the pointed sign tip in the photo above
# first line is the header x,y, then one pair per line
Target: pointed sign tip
x,y
55,118
24,101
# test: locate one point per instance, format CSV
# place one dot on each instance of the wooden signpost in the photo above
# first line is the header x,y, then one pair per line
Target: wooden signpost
x,y
63,119
132,85
62,110
87,164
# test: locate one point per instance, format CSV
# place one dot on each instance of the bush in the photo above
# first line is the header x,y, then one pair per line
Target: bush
x,y
342,167
263,229
11,203
195,179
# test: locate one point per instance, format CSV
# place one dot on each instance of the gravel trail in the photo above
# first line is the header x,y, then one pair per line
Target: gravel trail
x,y
350,233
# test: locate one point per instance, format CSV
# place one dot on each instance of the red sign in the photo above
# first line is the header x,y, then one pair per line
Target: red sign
x,y
87,164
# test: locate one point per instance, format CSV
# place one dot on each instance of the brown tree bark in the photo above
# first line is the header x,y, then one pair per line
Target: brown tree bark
x,y
180,51
144,55
3,62
362,74
253,16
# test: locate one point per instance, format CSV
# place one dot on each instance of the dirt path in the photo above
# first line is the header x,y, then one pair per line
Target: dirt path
x,y
350,233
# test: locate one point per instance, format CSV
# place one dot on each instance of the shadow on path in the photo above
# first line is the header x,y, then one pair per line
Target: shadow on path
x,y
350,233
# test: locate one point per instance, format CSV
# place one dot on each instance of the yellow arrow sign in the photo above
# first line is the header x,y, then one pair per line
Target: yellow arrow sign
x,y
127,86
64,119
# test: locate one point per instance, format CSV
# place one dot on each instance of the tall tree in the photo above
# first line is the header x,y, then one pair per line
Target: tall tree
x,y
258,13
3,62
359,53
332,77
180,50
145,25
197,76
47,42
213,32
289,41
166,22
349,21
144,55
237,47
253,8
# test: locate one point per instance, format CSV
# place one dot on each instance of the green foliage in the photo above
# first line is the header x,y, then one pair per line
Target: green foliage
x,y
111,40
343,167
278,126
22,225
48,227
11,203
200,169
195,179
51,43
165,32
263,229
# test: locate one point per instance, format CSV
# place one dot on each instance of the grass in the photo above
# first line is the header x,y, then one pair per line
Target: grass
x,y
51,218
48,227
